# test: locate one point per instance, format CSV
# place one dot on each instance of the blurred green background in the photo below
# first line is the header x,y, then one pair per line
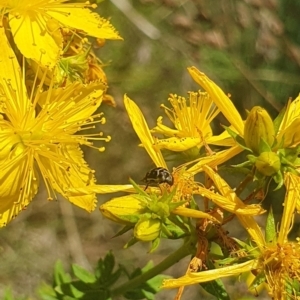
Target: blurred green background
x,y
250,48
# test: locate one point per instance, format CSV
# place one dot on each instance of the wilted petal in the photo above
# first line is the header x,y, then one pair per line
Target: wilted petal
x,y
193,213
205,276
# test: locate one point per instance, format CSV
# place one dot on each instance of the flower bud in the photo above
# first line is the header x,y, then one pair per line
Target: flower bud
x,y
124,210
74,64
258,126
147,230
268,163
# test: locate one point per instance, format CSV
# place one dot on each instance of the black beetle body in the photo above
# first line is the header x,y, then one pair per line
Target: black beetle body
x,y
157,176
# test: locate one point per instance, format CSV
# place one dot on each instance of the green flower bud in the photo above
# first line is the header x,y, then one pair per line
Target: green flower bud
x,y
147,230
76,63
124,210
268,163
258,126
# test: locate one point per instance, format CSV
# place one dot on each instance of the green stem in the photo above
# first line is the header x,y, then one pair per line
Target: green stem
x,y
243,184
186,249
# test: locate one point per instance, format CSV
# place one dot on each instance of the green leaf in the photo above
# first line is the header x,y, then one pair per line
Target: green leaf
x,y
148,289
237,138
109,263
258,280
60,276
109,281
292,287
270,234
264,146
252,158
83,274
154,245
278,178
138,188
83,291
69,289
46,292
104,271
8,294
125,229
131,242
172,231
278,120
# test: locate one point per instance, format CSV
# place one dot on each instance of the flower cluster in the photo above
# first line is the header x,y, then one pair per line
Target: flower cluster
x,y
172,210
51,86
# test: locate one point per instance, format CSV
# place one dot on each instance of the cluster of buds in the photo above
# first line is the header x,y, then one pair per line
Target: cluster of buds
x,y
269,158
149,215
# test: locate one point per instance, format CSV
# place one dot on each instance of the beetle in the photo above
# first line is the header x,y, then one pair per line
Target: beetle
x,y
157,176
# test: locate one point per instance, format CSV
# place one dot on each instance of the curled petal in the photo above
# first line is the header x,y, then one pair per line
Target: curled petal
x,y
193,213
195,278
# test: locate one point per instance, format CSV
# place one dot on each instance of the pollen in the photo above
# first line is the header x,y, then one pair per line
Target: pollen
x,y
184,182
282,267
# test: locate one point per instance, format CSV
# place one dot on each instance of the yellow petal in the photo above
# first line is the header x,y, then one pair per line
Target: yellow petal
x,y
19,183
163,129
76,173
65,101
10,72
253,229
193,213
8,139
215,159
290,135
292,112
194,278
177,144
33,39
106,189
237,207
220,99
247,221
223,139
292,197
89,22
142,130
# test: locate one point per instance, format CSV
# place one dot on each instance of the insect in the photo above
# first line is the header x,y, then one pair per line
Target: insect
x,y
157,176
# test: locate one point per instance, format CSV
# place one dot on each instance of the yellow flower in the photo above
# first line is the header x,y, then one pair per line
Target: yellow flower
x,y
44,141
222,101
288,134
192,119
226,107
183,181
277,260
35,26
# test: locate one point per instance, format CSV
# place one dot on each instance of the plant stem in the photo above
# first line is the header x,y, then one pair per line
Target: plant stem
x,y
243,185
186,249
